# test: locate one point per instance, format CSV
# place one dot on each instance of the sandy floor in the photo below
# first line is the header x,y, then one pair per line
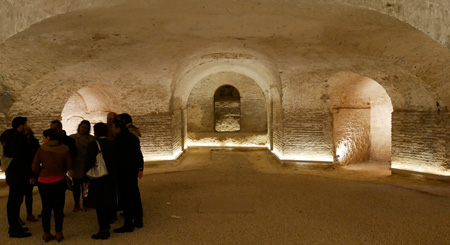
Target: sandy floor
x,y
247,197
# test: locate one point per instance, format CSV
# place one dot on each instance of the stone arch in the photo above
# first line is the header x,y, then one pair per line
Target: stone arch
x,y
247,111
91,103
362,119
255,67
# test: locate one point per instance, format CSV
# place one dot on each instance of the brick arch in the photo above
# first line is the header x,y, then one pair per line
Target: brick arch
x,y
262,72
91,103
362,119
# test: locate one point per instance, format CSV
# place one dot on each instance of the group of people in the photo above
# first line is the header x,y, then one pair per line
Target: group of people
x,y
63,159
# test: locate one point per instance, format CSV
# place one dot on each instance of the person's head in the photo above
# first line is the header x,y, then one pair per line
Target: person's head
x,y
110,117
56,125
29,132
19,124
84,127
125,118
119,127
100,129
49,134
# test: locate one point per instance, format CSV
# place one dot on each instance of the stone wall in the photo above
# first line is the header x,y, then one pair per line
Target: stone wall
x,y
420,141
157,135
177,136
351,135
306,136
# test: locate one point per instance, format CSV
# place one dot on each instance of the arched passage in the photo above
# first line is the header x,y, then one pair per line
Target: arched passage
x,y
362,121
227,109
258,70
91,103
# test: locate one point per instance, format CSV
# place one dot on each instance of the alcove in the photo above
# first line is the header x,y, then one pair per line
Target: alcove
x,y
90,103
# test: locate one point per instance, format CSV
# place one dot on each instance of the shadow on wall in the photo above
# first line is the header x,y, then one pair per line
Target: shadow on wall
x,y
90,103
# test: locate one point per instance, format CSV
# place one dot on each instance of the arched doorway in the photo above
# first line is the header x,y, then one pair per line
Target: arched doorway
x,y
362,120
252,65
90,103
227,109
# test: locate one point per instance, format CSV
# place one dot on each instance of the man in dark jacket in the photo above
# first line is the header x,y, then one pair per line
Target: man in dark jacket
x,y
19,174
64,139
130,167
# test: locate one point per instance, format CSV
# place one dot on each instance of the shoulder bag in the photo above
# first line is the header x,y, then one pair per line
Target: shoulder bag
x,y
99,169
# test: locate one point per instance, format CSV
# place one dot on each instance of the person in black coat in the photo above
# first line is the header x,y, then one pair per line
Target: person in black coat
x,y
130,168
101,194
34,146
19,174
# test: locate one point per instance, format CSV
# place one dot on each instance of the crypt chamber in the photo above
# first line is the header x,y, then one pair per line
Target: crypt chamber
x,y
340,82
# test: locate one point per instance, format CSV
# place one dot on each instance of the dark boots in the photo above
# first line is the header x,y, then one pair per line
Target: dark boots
x,y
101,235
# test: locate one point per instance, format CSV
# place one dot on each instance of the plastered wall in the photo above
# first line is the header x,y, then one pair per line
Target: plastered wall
x,y
153,57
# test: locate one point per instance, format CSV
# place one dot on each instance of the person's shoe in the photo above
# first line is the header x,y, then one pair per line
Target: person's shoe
x,y
101,235
138,224
20,229
32,218
21,221
48,237
59,236
124,229
85,209
77,208
19,234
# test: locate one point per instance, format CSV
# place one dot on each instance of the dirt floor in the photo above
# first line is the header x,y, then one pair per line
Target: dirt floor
x,y
220,196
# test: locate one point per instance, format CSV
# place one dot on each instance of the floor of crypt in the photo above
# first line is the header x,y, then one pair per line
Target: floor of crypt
x,y
230,196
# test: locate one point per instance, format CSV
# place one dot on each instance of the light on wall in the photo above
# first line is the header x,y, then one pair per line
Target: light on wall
x,y
427,169
308,157
148,157
2,175
341,150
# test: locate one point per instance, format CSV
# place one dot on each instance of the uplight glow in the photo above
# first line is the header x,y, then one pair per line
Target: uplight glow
x,y
213,142
305,157
420,168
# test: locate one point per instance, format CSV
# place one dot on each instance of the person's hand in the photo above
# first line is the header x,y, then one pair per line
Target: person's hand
x,y
86,184
32,181
140,174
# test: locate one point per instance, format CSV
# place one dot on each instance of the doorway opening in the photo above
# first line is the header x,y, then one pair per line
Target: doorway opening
x,y
227,109
362,120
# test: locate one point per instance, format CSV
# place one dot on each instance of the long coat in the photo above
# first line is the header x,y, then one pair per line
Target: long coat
x,y
82,142
16,146
102,190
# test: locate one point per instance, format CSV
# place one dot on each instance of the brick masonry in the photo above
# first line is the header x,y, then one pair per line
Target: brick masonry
x,y
421,141
351,135
157,135
307,136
